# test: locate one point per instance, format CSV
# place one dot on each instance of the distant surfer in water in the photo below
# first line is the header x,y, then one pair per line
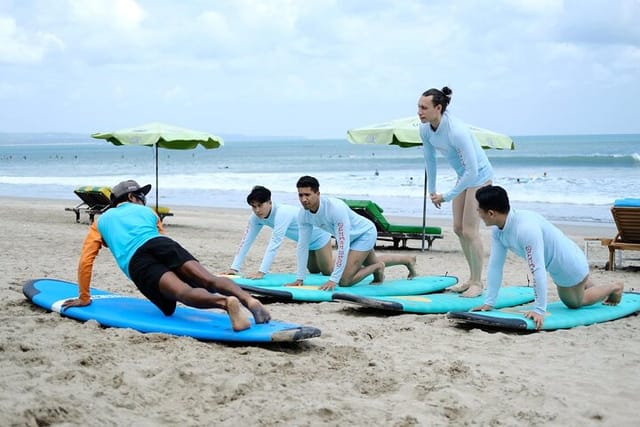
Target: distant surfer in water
x,y
545,249
355,239
452,138
161,269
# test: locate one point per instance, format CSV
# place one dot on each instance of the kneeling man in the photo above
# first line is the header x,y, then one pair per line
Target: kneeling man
x,y
545,248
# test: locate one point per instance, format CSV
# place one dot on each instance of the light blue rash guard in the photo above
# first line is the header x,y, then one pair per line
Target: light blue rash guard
x,y
283,219
125,228
351,231
545,249
455,141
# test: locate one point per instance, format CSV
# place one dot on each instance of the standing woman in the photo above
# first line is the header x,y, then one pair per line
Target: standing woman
x,y
454,140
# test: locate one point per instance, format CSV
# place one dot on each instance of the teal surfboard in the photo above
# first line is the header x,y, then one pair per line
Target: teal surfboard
x,y
442,302
120,311
282,279
558,316
416,286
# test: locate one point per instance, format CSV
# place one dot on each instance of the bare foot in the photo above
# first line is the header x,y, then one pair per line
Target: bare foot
x,y
475,289
378,274
260,314
615,296
412,268
239,322
460,287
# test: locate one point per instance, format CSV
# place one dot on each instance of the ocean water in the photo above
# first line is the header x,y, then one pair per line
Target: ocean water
x,y
566,178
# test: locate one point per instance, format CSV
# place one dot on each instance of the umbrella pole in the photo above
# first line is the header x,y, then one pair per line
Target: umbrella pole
x,y
424,210
156,178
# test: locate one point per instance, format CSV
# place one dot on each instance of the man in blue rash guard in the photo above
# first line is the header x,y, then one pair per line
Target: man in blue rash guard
x,y
160,267
355,239
283,219
545,248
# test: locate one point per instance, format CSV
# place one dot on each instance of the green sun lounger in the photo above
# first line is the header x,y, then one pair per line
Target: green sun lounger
x,y
396,233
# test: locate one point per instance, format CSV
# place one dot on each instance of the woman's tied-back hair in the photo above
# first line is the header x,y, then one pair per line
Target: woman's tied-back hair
x,y
259,194
308,181
493,198
440,97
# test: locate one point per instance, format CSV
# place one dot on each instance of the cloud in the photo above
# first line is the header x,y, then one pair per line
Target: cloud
x,y
18,46
317,67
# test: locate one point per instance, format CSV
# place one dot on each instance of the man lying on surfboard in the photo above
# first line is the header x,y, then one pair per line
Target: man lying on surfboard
x,y
283,219
545,248
355,238
161,269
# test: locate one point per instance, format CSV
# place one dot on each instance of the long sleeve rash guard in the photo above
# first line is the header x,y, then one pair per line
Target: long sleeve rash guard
x,y
283,219
335,217
123,230
454,140
545,249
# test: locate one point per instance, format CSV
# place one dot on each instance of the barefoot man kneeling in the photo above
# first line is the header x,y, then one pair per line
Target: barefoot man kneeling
x,y
355,238
545,248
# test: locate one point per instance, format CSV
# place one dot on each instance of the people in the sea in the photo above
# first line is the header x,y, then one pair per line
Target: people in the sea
x,y
545,248
355,239
448,135
283,219
161,269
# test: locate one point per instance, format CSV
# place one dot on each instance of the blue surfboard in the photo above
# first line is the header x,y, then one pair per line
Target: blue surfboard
x,y
121,311
282,279
558,316
438,302
416,286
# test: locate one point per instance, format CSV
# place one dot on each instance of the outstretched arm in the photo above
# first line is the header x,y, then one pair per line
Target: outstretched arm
x,y
90,249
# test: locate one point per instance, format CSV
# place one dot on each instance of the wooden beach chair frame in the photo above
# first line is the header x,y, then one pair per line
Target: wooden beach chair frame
x,y
627,221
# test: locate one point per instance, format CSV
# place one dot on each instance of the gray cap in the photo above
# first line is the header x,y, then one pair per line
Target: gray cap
x,y
129,186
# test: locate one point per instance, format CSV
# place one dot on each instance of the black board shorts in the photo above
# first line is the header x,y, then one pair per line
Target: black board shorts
x,y
153,259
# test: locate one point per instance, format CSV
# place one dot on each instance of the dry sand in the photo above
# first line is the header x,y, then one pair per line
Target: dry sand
x,y
366,369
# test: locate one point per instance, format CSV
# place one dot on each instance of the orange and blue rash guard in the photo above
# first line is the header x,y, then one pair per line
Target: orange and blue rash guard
x,y
123,230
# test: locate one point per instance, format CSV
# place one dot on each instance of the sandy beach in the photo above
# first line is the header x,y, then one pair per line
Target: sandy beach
x,y
367,368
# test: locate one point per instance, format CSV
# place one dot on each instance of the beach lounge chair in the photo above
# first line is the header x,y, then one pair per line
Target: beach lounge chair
x,y
96,200
398,234
626,214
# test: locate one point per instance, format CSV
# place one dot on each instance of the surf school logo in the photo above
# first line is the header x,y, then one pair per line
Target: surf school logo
x,y
340,238
532,265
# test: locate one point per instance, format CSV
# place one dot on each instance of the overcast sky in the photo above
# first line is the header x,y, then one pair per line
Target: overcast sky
x,y
316,68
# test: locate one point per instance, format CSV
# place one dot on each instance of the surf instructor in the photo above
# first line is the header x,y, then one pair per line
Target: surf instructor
x,y
453,139
161,268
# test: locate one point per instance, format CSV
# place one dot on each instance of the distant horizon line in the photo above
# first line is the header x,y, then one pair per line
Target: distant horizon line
x,y
245,137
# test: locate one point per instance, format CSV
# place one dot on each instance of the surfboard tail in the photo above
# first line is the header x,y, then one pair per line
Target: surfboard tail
x,y
295,334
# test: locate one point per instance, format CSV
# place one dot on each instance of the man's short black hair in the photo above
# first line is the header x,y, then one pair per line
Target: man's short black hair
x,y
259,194
308,181
493,198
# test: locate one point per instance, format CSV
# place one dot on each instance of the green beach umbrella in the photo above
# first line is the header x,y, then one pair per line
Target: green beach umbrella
x,y
405,132
160,135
